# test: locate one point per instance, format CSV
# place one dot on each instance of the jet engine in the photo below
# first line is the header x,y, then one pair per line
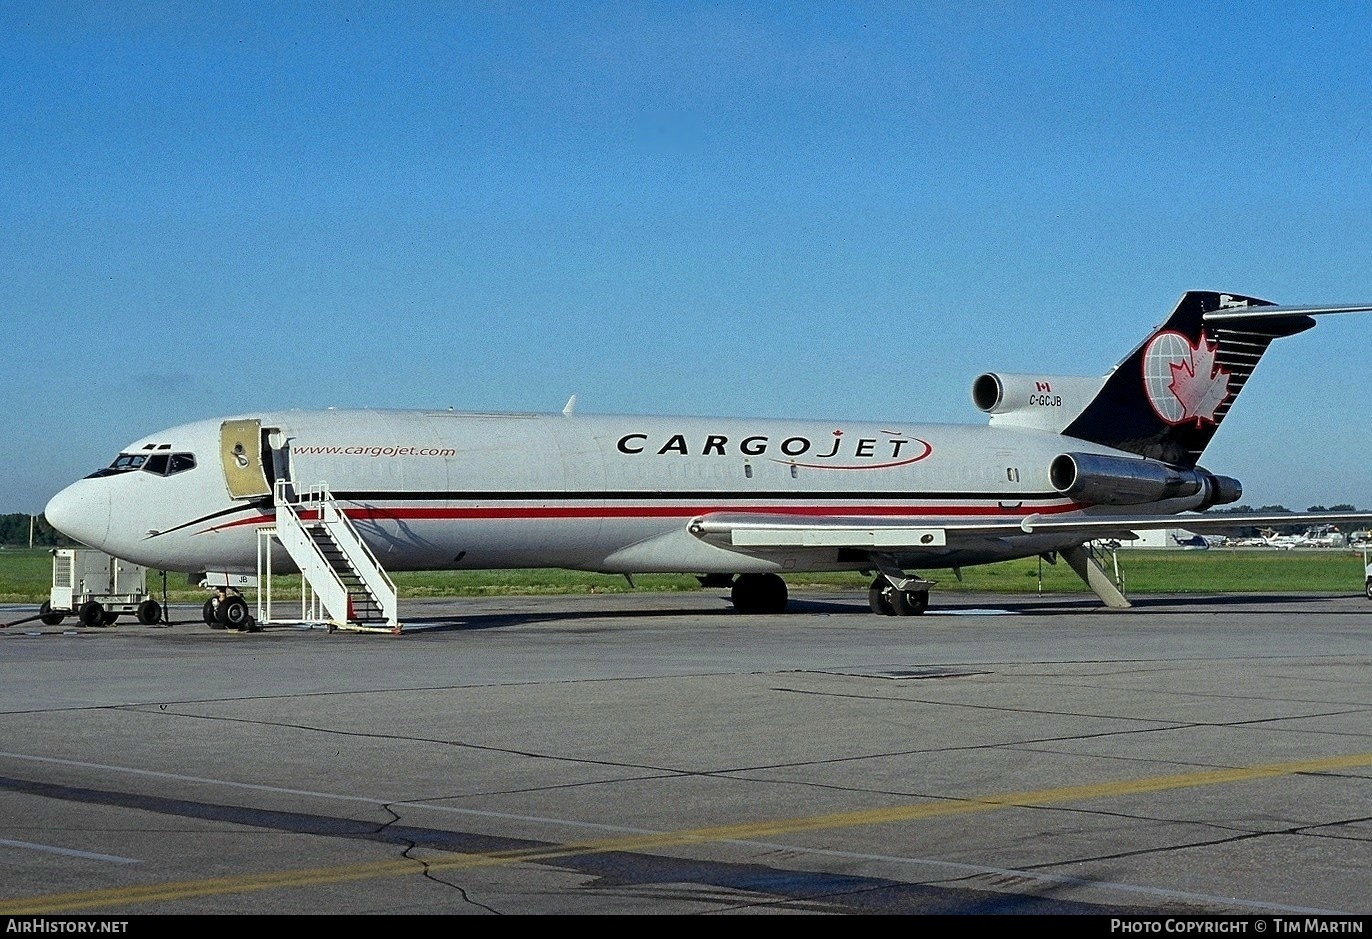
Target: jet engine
x,y
1044,402
1110,480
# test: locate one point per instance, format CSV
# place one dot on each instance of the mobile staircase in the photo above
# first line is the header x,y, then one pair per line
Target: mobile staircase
x,y
344,586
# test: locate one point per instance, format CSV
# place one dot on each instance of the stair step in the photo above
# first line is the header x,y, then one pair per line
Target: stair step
x,y
327,542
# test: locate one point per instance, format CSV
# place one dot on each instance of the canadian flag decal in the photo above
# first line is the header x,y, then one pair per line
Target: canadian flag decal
x,y
1182,380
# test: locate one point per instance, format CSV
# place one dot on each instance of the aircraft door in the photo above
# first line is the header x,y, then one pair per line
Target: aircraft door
x,y
278,463
240,454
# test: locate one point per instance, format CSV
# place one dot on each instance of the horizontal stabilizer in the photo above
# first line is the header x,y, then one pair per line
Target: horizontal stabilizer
x,y
1258,313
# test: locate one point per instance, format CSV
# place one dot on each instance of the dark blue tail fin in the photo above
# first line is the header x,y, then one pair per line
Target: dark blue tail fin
x,y
1167,398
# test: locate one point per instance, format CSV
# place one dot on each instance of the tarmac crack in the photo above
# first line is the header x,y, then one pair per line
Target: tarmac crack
x,y
728,773
1300,830
410,846
1350,708
406,738
1075,685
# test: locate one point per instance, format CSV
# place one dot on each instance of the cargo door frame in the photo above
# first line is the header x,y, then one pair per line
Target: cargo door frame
x,y
253,458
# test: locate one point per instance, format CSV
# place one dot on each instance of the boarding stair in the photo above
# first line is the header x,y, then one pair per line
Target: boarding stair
x,y
343,580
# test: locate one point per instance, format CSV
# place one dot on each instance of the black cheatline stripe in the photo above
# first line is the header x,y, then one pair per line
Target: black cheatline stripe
x,y
625,495
692,496
254,506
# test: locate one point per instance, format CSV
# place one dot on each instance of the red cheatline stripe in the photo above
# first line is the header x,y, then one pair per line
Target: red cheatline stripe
x,y
670,511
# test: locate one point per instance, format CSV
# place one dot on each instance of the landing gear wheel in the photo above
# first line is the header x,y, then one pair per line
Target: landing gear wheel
x,y
759,593
211,616
91,614
910,602
1369,588
886,600
233,614
48,617
879,597
149,612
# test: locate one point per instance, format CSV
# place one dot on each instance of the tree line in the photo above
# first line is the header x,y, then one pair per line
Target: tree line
x,y
14,532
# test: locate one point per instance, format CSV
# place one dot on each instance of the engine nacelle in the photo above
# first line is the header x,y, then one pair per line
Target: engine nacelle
x,y
1110,480
1046,402
1223,491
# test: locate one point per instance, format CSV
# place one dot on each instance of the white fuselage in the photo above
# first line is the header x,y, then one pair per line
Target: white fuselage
x,y
443,490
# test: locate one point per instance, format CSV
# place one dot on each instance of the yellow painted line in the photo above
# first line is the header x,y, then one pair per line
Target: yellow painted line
x,y
743,831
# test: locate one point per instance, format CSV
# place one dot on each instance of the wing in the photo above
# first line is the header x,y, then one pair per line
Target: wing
x,y
939,535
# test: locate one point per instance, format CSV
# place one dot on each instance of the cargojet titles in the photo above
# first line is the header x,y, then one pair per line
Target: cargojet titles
x,y
839,452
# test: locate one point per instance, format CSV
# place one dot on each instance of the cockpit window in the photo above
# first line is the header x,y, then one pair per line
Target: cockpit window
x,y
159,464
169,464
123,463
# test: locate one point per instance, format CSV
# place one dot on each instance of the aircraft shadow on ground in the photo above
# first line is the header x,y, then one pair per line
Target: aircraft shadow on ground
x,y
801,605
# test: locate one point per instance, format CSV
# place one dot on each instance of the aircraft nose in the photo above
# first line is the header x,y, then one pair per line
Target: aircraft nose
x,y
81,512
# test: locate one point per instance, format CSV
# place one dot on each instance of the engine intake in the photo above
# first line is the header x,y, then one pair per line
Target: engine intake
x,y
1109,480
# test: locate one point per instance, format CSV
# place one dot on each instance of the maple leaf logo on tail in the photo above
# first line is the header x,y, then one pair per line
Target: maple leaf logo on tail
x,y
1200,385
1182,381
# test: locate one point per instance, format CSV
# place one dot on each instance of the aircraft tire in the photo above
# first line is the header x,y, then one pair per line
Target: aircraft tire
x,y
211,617
879,597
91,614
1369,588
759,593
909,602
48,617
233,614
149,612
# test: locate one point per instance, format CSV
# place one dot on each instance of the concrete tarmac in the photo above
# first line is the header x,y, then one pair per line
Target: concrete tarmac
x,y
660,753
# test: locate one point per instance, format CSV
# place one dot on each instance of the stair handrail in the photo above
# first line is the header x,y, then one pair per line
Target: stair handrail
x,y
362,559
318,499
314,567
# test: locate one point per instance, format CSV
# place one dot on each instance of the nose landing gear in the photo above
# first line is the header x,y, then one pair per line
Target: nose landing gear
x,y
229,611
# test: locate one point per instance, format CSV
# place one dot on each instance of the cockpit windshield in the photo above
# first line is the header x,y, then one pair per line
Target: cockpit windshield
x,y
159,464
123,463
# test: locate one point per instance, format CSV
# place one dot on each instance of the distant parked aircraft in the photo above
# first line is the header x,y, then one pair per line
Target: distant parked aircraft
x,y
1190,541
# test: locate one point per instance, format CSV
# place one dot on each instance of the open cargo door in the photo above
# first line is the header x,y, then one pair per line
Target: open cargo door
x,y
240,453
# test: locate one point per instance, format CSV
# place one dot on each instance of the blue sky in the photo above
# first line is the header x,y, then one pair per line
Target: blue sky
x,y
831,210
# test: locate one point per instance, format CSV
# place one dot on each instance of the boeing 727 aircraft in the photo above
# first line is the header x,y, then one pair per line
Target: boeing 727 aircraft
x,y
1062,461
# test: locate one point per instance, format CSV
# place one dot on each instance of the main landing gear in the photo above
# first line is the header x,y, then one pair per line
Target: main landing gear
x,y
758,593
891,594
887,599
895,593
